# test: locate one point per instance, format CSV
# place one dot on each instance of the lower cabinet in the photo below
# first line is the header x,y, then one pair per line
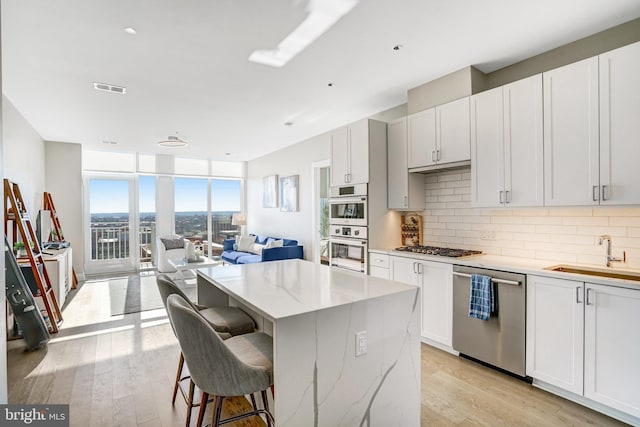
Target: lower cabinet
x,y
581,337
435,281
379,265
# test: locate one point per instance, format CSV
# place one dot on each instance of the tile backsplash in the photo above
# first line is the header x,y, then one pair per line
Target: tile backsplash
x,y
558,234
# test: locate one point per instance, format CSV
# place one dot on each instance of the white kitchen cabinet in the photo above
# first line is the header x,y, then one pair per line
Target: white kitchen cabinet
x,y
619,76
379,265
404,190
436,282
440,136
571,165
555,324
350,154
581,338
612,347
507,145
421,127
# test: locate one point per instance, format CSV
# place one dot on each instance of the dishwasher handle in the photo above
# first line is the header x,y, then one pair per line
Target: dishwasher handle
x,y
498,281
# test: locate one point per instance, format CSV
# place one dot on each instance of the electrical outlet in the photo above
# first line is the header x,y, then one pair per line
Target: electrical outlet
x,y
361,343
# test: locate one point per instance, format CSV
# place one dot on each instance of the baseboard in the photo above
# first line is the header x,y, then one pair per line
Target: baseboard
x,y
440,346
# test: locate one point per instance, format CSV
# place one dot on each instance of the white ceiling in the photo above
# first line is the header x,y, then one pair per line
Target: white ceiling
x,y
186,70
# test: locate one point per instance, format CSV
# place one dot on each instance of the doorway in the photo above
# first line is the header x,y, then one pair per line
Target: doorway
x,y
111,226
321,174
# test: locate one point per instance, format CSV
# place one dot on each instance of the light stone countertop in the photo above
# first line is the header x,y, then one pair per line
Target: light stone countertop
x,y
525,266
279,289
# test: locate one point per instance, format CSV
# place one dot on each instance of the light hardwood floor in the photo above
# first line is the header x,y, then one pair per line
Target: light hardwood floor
x,y
119,371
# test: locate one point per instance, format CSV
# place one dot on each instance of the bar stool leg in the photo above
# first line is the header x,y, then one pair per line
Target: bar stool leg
x,y
175,387
218,412
192,387
265,403
203,406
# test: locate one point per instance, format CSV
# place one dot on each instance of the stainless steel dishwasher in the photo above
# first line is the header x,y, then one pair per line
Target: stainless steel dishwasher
x,y
499,341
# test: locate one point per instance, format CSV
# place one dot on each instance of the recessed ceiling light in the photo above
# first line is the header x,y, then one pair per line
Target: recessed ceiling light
x,y
106,87
330,84
397,47
227,154
110,142
288,123
130,30
173,142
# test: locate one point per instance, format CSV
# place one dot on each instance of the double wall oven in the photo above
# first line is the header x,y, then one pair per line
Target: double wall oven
x,y
348,242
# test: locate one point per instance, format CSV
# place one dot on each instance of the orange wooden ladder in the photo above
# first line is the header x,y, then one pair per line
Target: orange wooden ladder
x,y
16,212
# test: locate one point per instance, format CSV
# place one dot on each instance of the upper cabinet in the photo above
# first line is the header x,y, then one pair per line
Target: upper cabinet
x,y
571,134
439,137
405,190
507,145
350,154
591,129
620,125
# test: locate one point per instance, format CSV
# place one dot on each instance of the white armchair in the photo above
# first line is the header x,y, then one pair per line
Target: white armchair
x,y
168,247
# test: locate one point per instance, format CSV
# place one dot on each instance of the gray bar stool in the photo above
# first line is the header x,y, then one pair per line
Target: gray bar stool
x,y
226,321
239,366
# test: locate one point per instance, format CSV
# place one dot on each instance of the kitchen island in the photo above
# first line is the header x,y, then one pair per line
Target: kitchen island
x,y
320,317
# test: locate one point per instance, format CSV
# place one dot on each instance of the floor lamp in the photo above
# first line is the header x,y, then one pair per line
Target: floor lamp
x,y
239,219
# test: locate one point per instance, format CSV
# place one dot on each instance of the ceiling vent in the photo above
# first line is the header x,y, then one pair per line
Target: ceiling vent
x,y
109,88
173,142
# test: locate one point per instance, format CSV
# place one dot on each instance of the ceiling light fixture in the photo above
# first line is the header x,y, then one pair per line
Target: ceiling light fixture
x,y
322,15
173,142
288,123
106,87
110,142
131,30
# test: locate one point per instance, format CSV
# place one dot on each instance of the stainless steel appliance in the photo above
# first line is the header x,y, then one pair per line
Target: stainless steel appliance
x,y
499,341
348,253
436,250
348,211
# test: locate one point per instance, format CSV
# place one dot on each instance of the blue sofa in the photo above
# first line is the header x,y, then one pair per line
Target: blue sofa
x,y
289,250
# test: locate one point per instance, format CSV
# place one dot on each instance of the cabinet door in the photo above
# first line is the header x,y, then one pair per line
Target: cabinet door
x,y
403,270
523,143
487,157
359,152
453,132
620,125
555,325
437,289
422,138
339,156
571,163
397,174
612,347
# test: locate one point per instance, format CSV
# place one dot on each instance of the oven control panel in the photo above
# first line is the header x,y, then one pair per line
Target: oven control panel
x,y
356,232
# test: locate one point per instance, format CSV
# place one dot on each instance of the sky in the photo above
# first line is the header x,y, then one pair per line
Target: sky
x,y
112,195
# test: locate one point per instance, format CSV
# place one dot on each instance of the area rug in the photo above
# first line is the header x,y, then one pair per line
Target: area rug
x,y
134,293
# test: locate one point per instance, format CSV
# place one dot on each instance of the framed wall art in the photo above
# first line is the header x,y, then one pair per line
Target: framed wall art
x,y
270,191
289,193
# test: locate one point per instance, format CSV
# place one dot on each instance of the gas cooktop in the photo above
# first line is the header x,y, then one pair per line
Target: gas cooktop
x,y
435,250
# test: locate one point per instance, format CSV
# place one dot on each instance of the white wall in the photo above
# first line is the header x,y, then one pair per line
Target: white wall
x,y
293,160
24,157
64,182
3,317
558,234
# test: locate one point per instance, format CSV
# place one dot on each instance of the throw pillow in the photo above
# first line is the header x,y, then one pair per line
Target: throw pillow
x,y
245,243
175,243
271,243
257,248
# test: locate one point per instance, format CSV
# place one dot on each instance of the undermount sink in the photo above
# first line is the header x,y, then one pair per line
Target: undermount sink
x,y
592,271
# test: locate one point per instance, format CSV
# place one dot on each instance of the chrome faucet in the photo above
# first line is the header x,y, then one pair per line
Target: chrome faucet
x,y
610,258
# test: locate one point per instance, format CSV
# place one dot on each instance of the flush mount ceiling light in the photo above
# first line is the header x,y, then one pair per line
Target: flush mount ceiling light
x,y
131,30
173,142
105,87
322,15
110,142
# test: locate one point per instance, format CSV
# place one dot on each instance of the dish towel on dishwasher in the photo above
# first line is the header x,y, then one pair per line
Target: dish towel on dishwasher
x,y
481,297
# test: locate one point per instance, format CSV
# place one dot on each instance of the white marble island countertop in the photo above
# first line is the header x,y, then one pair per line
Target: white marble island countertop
x,y
280,289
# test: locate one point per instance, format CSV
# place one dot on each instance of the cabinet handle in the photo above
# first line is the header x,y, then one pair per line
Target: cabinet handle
x,y
604,192
406,201
433,155
501,198
420,268
587,299
594,193
438,155
414,268
578,295
506,197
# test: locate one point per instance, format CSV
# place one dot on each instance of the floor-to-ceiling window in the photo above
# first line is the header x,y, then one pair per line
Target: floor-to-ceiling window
x,y
226,200
146,220
191,209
